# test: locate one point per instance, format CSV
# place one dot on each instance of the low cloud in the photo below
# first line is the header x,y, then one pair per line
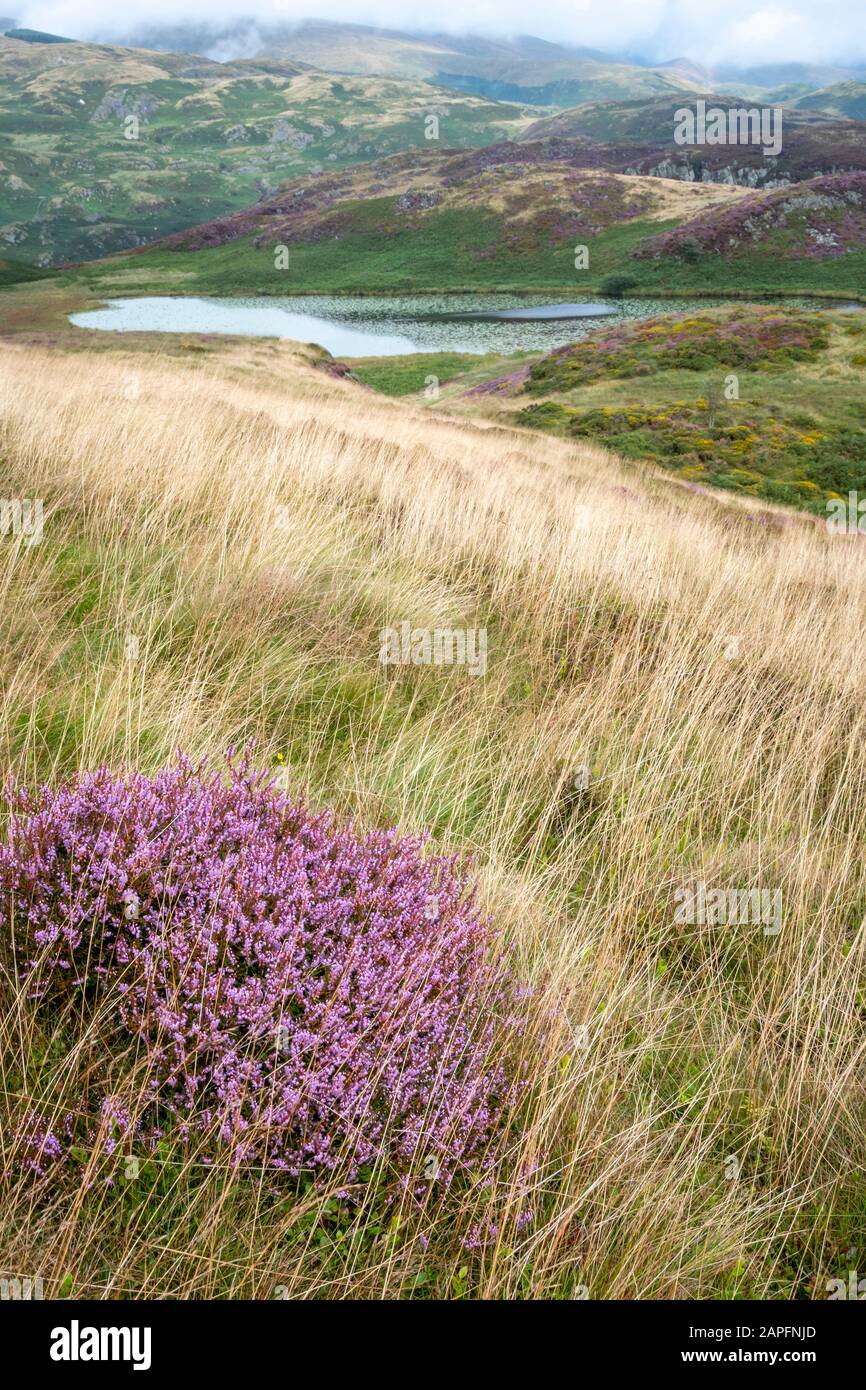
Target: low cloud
x,y
809,31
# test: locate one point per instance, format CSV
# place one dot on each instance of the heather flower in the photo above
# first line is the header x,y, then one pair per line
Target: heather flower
x,y
295,1000
37,1145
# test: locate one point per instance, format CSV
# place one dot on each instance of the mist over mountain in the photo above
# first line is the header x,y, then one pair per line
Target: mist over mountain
x,y
788,32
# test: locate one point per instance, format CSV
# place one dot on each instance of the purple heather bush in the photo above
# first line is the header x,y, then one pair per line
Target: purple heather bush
x,y
302,995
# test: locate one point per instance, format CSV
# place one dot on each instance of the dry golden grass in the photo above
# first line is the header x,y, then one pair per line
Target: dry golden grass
x,y
254,531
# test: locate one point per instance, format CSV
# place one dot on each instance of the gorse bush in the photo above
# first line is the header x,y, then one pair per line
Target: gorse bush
x,y
302,995
743,338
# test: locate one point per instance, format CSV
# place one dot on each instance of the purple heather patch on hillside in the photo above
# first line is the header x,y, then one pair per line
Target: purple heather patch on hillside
x,y
826,217
302,994
500,385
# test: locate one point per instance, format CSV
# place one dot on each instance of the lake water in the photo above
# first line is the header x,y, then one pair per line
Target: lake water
x,y
352,326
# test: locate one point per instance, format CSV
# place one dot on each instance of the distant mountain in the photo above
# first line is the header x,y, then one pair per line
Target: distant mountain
x,y
772,76
684,68
842,99
104,148
523,69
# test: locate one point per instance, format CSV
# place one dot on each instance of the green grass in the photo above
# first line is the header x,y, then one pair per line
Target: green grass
x,y
411,375
441,254
752,275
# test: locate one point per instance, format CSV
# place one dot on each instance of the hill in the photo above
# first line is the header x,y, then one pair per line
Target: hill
x,y
638,136
652,120
662,706
846,99
509,213
527,215
821,219
207,138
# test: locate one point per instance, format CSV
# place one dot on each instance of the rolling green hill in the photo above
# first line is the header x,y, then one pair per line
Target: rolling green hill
x,y
207,138
509,214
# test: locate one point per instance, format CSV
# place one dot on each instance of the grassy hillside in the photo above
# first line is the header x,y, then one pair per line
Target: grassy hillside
x,y
810,235
209,138
506,214
17,273
663,703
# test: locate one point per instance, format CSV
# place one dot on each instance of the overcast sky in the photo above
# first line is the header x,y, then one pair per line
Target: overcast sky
x,y
743,32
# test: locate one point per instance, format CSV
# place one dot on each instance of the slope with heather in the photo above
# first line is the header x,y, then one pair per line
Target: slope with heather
x,y
763,401
821,220
438,219
515,216
641,133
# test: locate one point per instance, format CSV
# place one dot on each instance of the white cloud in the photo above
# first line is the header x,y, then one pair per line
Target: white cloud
x,y
829,31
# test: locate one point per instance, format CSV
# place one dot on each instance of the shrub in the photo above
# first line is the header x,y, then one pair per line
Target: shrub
x,y
617,285
302,994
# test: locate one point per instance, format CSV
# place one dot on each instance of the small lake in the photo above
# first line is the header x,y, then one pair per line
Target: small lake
x,y
357,326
